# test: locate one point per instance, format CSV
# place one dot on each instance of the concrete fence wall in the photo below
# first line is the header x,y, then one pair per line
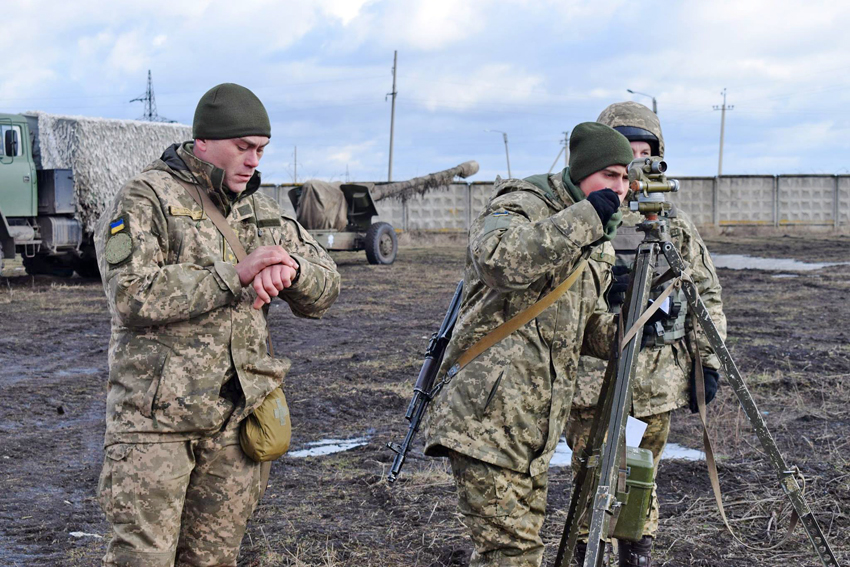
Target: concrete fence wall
x,y
816,201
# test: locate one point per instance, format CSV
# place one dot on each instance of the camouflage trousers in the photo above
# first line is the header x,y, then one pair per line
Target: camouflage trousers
x,y
654,439
503,511
180,503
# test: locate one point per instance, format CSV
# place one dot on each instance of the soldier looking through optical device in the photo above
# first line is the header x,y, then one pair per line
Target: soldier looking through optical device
x,y
498,416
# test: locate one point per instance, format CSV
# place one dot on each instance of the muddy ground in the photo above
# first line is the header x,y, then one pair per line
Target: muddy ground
x,y
351,376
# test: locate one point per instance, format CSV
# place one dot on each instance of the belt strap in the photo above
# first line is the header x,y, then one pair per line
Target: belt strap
x,y
710,461
515,322
209,208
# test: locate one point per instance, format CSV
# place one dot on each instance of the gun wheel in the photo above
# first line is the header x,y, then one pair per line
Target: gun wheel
x,y
381,243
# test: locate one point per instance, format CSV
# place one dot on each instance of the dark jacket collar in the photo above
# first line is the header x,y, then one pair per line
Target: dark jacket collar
x,y
185,164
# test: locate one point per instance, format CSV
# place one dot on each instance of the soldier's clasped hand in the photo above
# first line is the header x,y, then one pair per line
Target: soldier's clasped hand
x,y
259,259
271,281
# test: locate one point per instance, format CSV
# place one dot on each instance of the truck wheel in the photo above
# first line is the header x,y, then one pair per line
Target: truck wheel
x,y
87,268
1,258
86,263
381,243
47,266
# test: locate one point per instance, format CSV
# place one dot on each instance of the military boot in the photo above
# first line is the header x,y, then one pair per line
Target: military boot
x,y
636,554
581,553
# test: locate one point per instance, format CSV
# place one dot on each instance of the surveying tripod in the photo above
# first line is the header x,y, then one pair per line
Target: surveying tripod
x,y
601,478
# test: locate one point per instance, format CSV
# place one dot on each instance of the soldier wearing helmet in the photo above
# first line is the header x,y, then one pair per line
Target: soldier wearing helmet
x,y
666,366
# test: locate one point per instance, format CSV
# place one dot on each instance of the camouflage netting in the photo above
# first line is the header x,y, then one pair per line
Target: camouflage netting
x,y
421,185
103,153
322,206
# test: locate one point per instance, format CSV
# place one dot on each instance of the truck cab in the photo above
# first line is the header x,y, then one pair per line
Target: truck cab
x,y
37,208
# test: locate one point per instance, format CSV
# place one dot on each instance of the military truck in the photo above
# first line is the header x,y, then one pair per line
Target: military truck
x,y
58,173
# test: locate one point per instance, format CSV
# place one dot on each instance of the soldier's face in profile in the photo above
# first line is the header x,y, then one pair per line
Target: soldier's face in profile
x,y
614,177
641,149
238,157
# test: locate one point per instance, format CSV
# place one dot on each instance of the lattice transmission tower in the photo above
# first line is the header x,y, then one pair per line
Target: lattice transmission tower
x,y
150,114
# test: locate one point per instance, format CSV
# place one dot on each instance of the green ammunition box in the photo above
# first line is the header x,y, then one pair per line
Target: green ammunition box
x,y
640,478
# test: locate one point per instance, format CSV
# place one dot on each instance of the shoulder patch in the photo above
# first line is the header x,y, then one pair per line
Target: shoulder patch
x,y
264,223
496,221
118,248
118,225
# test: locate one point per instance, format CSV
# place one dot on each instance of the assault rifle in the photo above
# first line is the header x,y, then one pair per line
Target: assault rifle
x,y
424,390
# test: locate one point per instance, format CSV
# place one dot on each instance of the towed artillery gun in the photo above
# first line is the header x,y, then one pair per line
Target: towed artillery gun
x,y
339,215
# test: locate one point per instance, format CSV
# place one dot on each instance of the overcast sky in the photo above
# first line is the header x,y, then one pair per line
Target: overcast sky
x,y
531,68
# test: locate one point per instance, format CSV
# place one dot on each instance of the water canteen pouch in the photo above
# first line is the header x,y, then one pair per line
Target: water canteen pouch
x,y
265,434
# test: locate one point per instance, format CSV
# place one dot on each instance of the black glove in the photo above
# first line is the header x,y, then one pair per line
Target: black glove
x,y
617,291
712,379
606,203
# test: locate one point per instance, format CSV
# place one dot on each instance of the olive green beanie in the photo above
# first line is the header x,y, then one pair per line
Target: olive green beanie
x,y
594,147
230,111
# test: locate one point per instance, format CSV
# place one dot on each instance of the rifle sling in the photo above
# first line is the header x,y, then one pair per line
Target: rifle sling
x,y
517,321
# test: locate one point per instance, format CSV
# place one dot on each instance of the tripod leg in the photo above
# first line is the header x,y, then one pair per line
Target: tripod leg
x,y
786,476
587,478
599,486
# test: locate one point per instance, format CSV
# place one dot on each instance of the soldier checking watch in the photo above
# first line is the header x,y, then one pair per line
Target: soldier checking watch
x,y
187,357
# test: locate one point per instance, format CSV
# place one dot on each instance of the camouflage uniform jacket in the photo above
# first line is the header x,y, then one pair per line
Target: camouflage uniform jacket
x,y
508,406
187,349
663,373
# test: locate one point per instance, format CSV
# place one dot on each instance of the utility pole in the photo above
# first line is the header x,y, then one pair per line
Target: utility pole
x,y
295,165
392,115
654,102
722,110
150,114
507,156
566,148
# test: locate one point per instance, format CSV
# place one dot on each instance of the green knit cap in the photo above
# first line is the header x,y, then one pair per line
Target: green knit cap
x,y
594,147
230,111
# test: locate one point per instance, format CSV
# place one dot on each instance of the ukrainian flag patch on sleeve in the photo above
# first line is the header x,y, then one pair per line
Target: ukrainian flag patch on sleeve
x,y
119,245
117,226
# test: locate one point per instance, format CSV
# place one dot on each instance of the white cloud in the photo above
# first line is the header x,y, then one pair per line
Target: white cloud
x,y
431,25
530,67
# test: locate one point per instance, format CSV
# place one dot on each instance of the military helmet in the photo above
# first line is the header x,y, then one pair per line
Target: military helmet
x,y
636,122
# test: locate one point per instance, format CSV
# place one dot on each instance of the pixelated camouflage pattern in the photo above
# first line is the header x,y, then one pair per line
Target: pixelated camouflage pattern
x,y
654,439
503,510
159,518
508,406
633,114
182,324
662,379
